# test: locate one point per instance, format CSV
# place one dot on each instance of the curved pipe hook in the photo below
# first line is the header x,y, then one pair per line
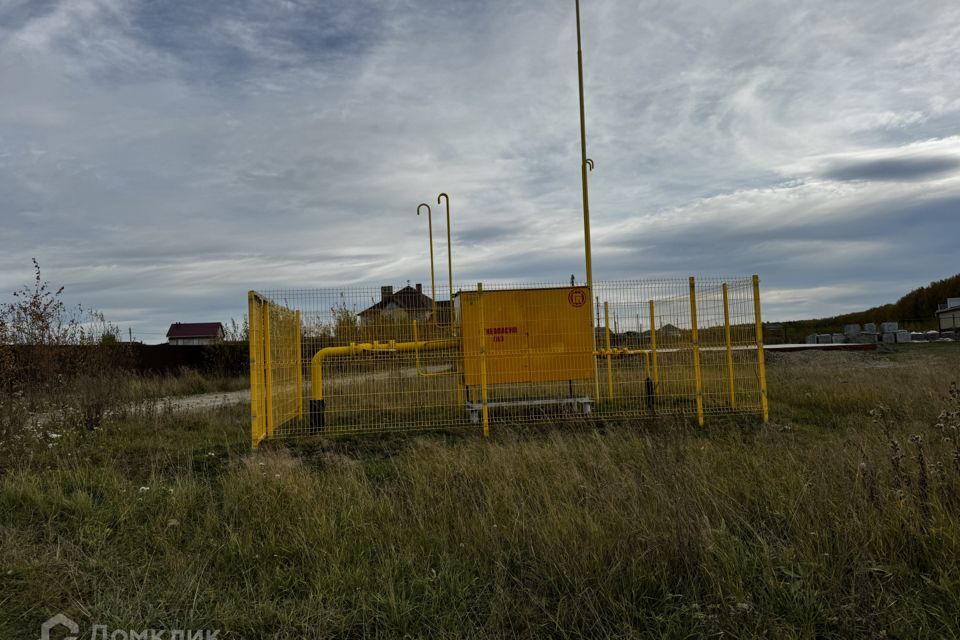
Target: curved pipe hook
x,y
590,164
449,251
433,282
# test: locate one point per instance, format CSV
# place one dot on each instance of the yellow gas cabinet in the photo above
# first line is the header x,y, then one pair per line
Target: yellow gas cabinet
x,y
528,335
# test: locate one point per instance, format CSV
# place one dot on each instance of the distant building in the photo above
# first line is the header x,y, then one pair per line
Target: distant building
x,y
408,303
183,333
667,330
948,315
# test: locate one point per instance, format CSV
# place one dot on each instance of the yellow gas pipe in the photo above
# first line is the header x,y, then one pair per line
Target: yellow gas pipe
x,y
316,364
433,281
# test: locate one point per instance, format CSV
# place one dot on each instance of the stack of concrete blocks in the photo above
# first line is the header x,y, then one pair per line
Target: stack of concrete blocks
x,y
889,333
869,333
853,333
892,334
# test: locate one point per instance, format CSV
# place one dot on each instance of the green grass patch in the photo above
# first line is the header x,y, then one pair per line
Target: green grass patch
x,y
813,526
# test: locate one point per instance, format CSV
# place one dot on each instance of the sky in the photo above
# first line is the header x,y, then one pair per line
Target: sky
x,y
161,158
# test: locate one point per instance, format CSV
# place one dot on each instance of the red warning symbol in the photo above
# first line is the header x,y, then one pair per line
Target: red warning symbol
x,y
577,297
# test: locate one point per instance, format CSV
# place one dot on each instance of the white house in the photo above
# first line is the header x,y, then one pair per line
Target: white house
x,y
948,315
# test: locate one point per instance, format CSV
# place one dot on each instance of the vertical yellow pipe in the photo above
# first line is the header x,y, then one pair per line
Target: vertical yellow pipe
x,y
653,348
729,340
606,324
761,367
584,164
268,361
483,364
449,252
583,160
695,336
433,281
450,292
298,375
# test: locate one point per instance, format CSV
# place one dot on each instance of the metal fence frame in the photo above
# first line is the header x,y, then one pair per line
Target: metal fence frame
x,y
402,368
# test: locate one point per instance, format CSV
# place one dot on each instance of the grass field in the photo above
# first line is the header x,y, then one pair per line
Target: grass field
x,y
828,522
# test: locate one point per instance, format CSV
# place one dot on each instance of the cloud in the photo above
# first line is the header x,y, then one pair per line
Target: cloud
x,y
160,159
925,160
895,169
475,236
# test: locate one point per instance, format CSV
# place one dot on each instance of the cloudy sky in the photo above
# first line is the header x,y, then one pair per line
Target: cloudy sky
x,y
160,158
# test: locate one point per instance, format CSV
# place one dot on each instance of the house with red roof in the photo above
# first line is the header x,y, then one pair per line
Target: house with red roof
x,y
182,333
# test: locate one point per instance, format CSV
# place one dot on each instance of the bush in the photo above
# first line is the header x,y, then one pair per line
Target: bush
x,y
58,365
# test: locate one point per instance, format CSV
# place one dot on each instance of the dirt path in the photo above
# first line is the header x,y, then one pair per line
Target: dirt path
x,y
225,398
201,401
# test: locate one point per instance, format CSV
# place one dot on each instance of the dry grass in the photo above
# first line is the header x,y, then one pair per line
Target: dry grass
x,y
816,526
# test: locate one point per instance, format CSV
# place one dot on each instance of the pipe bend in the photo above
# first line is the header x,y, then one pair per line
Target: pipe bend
x,y
316,363
316,368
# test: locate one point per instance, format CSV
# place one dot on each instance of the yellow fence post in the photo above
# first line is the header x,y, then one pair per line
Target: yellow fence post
x,y
653,348
483,365
606,324
416,352
729,341
695,336
258,429
298,376
268,370
761,367
594,309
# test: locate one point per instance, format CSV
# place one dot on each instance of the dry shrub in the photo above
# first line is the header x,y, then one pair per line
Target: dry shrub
x,y
59,366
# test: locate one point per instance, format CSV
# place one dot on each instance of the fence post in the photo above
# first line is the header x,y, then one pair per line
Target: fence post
x,y
606,324
761,367
695,336
594,304
298,354
483,365
268,360
726,328
258,429
653,348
